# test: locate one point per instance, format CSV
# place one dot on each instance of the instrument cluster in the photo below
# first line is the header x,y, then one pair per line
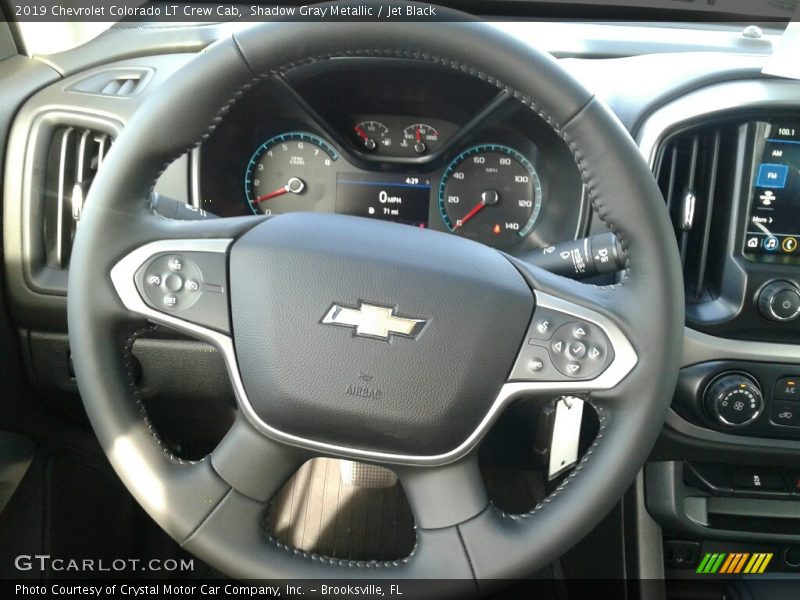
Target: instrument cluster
x,y
456,163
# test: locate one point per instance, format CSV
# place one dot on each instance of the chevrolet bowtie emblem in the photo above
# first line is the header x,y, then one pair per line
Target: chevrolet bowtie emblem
x,y
372,321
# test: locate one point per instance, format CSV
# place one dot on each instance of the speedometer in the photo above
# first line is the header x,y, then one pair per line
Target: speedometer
x,y
290,172
490,193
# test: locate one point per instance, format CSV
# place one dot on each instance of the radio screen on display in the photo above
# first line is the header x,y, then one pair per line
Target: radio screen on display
x,y
773,227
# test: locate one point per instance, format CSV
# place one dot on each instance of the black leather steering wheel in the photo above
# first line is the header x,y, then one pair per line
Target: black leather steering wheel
x,y
267,287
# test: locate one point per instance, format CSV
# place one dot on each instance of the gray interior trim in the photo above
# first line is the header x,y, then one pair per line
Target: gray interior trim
x,y
650,550
700,347
681,425
712,101
625,357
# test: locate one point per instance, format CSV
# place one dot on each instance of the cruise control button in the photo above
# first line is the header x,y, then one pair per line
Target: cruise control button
x,y
170,301
173,283
787,388
192,286
577,350
785,413
154,280
175,264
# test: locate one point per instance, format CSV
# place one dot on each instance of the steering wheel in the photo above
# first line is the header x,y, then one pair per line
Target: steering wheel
x,y
302,305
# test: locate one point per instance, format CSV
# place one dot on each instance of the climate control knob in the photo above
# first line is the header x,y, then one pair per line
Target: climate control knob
x,y
733,399
779,301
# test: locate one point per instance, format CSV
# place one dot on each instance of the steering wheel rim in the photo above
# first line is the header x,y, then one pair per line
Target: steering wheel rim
x,y
213,506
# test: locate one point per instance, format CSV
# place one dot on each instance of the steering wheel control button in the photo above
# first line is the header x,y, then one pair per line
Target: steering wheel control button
x,y
543,327
577,350
173,283
779,301
573,369
187,285
787,388
785,413
595,353
733,399
577,360
544,324
535,365
175,264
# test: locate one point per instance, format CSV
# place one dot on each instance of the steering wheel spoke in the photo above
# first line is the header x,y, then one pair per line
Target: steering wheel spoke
x,y
444,496
253,464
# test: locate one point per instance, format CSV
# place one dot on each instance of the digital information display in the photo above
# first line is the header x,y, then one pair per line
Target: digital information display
x,y
385,196
773,227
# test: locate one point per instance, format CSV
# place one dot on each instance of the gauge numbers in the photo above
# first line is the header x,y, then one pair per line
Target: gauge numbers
x,y
290,172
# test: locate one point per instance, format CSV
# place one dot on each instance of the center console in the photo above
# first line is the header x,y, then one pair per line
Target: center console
x,y
724,481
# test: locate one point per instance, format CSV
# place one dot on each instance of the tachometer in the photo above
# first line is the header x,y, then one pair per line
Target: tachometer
x,y
290,172
490,193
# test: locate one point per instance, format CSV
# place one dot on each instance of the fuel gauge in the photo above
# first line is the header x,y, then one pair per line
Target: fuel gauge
x,y
372,134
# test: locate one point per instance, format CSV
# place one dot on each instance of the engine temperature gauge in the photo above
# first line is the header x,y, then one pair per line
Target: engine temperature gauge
x,y
420,137
372,134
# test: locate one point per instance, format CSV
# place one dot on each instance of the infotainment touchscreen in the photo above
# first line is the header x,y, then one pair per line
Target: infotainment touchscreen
x,y
773,226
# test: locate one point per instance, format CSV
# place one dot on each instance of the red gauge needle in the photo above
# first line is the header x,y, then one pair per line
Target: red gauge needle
x,y
361,133
475,210
295,185
488,198
418,134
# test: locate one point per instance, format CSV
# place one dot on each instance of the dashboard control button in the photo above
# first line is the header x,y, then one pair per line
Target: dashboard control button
x,y
779,301
785,413
733,399
758,479
787,388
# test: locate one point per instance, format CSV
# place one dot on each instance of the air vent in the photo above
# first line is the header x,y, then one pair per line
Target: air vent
x,y
120,83
695,172
74,157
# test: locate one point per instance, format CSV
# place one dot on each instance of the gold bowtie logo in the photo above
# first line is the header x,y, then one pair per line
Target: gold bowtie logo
x,y
377,322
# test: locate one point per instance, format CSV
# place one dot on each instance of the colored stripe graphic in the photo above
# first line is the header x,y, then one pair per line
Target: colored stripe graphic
x,y
734,563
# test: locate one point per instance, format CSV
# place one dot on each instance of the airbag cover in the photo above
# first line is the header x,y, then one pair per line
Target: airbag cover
x,y
420,395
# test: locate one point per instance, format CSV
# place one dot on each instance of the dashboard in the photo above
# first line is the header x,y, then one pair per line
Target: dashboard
x,y
425,146
421,146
